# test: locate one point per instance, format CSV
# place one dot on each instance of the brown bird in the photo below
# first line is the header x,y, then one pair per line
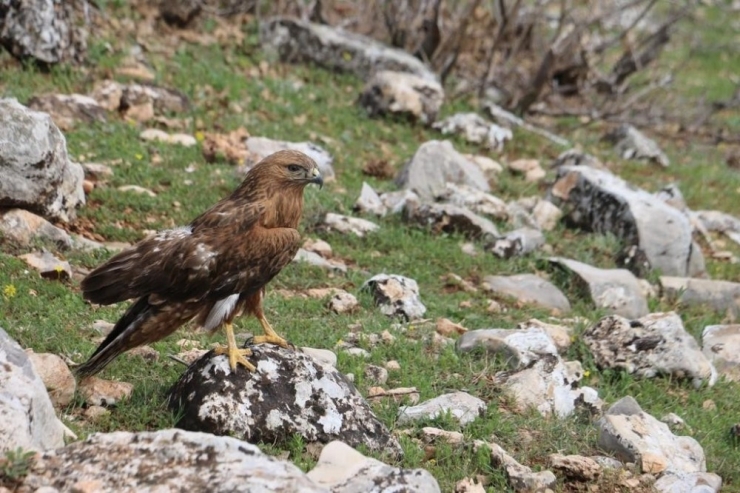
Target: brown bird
x,y
210,271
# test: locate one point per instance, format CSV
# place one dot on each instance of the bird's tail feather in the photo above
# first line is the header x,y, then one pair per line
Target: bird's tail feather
x,y
120,338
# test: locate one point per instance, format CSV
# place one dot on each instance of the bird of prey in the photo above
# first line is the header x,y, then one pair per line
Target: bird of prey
x,y
211,270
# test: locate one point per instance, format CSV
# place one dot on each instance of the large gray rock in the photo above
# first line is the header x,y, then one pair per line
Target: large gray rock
x,y
721,345
721,296
397,296
475,129
25,228
67,110
449,218
294,40
654,345
37,173
433,165
615,290
402,94
633,435
474,199
27,418
165,460
342,469
43,30
550,386
519,347
596,200
462,407
528,288
630,143
290,393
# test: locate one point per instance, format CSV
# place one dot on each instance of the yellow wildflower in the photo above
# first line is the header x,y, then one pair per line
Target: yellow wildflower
x,y
9,291
139,156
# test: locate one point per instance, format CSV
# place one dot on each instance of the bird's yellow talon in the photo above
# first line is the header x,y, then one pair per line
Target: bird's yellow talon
x,y
236,356
270,339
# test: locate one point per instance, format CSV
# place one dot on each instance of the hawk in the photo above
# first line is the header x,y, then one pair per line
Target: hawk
x,y
210,271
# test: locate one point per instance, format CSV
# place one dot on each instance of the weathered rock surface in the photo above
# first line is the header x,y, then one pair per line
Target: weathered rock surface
x,y
546,215
58,380
633,435
550,386
293,40
574,157
519,347
342,469
261,147
693,482
290,393
25,228
313,258
656,344
27,418
346,224
436,163
37,173
67,110
99,392
404,94
369,201
528,288
397,201
165,460
615,290
529,168
576,467
139,101
475,200
397,296
44,30
521,478
475,129
517,243
721,346
49,266
462,407
157,135
560,334
721,296
630,143
596,200
450,218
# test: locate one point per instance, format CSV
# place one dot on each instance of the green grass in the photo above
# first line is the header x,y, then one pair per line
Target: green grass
x,y
302,103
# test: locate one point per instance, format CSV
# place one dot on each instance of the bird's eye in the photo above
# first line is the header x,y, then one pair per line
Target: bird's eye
x,y
294,168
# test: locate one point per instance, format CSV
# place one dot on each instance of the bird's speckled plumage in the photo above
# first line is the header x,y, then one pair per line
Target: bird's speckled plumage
x,y
211,270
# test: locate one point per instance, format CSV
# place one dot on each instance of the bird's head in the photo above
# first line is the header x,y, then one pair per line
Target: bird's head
x,y
290,169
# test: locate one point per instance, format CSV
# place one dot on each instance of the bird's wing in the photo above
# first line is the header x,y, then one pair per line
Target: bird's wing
x,y
224,251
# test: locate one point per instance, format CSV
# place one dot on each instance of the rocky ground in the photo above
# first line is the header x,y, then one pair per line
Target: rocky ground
x,y
479,305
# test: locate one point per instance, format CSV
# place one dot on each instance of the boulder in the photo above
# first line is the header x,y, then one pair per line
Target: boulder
x,y
316,260
293,40
403,94
165,460
721,296
630,143
615,290
519,347
721,346
474,199
596,200
436,163
370,202
518,243
397,296
58,380
67,110
461,406
25,229
342,469
654,345
550,386
43,30
450,218
475,129
27,418
347,224
633,435
528,288
289,393
37,173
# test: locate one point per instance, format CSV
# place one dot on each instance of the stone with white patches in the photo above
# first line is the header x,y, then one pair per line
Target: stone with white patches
x,y
462,407
396,296
290,393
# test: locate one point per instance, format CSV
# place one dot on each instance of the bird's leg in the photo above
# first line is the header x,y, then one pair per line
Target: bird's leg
x,y
270,336
235,354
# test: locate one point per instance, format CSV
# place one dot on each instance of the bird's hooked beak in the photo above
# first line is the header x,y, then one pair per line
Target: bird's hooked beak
x,y
317,178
